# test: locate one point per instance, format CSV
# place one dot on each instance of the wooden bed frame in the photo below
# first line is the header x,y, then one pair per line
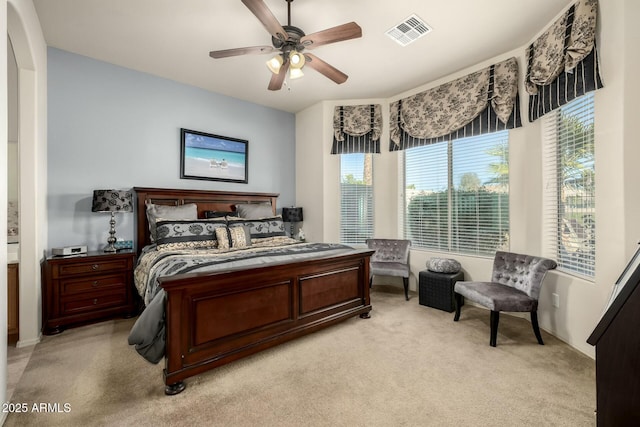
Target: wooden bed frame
x,y
216,318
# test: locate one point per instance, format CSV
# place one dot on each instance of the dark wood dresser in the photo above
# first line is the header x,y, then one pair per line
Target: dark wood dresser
x,y
84,289
617,345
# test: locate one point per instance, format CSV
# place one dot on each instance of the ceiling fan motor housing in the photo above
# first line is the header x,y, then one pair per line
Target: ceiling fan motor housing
x,y
292,43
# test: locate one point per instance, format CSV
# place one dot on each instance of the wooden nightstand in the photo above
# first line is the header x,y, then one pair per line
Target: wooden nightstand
x,y
84,289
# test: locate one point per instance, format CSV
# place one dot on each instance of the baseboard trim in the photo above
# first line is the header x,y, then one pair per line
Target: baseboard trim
x,y
28,343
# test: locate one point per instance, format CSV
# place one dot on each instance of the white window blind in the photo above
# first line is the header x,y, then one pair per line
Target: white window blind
x,y
457,195
426,221
569,170
356,198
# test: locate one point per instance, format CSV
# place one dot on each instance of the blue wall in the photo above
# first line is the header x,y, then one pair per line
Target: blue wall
x,y
112,127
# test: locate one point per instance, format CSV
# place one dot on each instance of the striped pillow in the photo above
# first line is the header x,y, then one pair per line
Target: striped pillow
x,y
235,237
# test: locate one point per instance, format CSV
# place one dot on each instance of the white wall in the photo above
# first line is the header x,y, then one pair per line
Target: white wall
x,y
3,210
617,198
18,18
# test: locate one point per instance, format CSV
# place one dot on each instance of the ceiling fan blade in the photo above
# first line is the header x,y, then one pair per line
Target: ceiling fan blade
x,y
324,68
278,79
331,35
241,51
262,12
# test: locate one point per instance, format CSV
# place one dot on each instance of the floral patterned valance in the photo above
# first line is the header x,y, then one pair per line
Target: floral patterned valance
x,y
562,62
481,102
357,129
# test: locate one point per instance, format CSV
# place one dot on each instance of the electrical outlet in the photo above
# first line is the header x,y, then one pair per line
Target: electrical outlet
x,y
555,300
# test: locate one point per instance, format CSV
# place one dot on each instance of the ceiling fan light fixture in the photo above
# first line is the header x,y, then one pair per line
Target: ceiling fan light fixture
x,y
295,73
275,63
296,60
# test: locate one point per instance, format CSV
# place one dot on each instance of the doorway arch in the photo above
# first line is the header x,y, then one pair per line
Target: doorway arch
x,y
30,54
30,49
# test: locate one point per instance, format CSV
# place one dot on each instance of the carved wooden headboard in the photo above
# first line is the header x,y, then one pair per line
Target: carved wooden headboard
x,y
222,201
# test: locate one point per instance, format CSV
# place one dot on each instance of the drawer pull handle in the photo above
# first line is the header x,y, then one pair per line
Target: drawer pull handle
x,y
95,301
95,266
95,283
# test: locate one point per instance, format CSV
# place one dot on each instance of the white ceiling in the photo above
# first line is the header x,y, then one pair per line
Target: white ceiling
x,y
172,39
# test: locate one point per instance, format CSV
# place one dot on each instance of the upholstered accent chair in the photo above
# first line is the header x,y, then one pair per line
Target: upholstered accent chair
x,y
390,259
515,286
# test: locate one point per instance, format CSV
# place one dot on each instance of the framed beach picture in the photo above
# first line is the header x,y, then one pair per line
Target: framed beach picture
x,y
213,157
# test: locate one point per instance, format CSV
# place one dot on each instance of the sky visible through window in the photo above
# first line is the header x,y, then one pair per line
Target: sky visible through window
x,y
470,155
354,163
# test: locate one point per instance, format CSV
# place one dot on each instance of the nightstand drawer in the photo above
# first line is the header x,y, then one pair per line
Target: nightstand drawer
x,y
92,302
92,284
90,267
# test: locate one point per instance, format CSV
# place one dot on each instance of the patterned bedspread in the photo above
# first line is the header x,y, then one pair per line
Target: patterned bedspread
x,y
154,264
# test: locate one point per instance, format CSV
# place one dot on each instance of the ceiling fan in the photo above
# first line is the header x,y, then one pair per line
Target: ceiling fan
x,y
289,42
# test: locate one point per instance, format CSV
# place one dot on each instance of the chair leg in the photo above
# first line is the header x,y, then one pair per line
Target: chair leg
x,y
536,328
458,305
370,281
406,288
495,318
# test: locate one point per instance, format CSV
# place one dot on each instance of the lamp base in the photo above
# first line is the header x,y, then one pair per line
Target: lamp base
x,y
110,248
112,234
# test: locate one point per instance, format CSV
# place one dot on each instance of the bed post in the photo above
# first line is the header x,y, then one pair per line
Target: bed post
x,y
366,290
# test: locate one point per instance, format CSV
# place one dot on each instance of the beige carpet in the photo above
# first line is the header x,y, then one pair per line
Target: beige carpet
x,y
409,365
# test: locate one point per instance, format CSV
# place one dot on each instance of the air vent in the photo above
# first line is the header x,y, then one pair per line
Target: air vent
x,y
409,30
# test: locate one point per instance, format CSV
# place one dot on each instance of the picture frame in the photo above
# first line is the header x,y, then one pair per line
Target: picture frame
x,y
213,157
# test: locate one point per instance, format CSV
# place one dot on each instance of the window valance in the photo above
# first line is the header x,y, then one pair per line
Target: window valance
x,y
481,102
357,129
563,62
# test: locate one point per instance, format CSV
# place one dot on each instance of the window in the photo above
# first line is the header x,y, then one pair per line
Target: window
x,y
457,194
569,170
356,197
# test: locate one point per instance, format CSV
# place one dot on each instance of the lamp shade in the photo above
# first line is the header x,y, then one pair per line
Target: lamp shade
x,y
292,214
296,59
112,201
275,63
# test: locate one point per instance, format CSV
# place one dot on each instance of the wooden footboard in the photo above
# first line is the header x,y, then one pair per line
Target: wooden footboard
x,y
214,319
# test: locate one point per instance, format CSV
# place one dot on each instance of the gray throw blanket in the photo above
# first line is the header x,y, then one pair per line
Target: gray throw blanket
x,y
148,333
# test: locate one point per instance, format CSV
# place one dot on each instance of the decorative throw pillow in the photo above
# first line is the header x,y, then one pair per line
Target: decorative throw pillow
x,y
254,210
240,236
222,235
187,234
261,228
155,212
443,265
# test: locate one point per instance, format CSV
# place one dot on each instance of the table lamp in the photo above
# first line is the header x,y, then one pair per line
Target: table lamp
x,y
112,201
292,215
